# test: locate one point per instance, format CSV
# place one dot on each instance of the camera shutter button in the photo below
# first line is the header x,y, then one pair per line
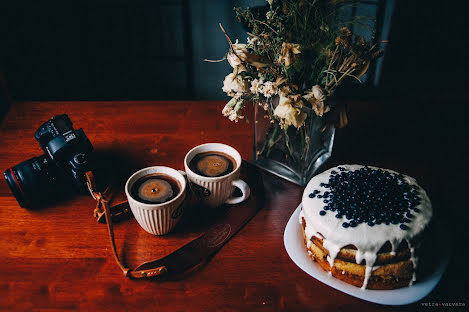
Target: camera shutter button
x,y
80,158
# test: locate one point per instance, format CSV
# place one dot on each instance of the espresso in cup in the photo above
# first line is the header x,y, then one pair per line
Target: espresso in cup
x,y
213,170
212,164
156,196
155,188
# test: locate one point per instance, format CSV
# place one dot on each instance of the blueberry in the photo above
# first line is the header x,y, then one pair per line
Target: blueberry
x,y
322,212
403,227
311,195
345,225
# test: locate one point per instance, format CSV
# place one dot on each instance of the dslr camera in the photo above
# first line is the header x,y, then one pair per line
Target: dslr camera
x,y
60,171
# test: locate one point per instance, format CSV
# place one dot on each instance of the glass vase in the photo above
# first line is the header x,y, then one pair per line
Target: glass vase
x,y
293,154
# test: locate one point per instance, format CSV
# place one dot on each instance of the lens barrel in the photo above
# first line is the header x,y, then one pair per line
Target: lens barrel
x,y
35,182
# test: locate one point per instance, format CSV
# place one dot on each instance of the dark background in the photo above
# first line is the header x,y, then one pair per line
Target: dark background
x,y
122,49
143,49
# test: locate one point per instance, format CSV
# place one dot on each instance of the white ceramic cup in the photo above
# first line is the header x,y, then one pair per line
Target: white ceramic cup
x,y
157,219
220,189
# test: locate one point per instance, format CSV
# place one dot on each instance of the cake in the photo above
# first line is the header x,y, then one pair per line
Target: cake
x,y
364,225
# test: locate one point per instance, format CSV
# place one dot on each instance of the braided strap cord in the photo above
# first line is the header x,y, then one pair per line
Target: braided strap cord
x,y
103,205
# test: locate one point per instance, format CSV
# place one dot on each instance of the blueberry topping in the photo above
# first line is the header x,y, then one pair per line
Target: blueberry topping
x,y
370,196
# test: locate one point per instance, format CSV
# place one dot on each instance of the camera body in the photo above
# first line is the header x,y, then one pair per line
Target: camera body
x,y
60,171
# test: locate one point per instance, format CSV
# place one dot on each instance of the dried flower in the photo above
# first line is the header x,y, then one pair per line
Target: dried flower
x,y
256,86
316,98
240,55
234,84
229,107
290,50
269,89
252,40
233,108
288,53
289,114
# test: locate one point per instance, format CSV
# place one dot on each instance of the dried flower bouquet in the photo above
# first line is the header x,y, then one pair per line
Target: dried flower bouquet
x,y
297,54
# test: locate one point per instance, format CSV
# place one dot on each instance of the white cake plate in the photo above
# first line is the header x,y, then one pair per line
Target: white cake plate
x,y
296,249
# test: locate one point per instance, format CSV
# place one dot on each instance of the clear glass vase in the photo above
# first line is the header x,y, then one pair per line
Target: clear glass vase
x,y
293,154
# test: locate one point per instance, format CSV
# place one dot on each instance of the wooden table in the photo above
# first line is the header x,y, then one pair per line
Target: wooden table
x,y
59,258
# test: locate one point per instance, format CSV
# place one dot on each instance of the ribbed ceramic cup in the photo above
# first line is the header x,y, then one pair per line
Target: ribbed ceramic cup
x,y
216,191
157,219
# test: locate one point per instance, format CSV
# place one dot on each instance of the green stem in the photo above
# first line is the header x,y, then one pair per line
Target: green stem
x,y
272,141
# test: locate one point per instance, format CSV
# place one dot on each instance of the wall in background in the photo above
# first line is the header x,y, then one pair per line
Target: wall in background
x,y
124,49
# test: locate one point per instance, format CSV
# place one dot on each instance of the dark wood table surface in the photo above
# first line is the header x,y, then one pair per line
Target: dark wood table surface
x,y
59,258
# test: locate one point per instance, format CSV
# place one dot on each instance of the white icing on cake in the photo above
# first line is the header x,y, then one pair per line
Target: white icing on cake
x,y
367,239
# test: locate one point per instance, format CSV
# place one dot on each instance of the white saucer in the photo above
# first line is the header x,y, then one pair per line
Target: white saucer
x,y
296,249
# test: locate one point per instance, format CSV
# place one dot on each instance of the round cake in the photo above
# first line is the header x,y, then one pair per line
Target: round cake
x,y
364,225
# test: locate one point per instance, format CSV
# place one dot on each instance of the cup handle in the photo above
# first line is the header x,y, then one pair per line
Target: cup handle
x,y
244,187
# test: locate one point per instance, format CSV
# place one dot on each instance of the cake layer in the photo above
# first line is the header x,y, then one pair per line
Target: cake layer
x,y
389,276
348,253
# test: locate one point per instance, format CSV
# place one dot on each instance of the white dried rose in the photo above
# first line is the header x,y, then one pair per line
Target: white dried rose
x,y
256,86
241,54
289,114
269,89
316,98
234,84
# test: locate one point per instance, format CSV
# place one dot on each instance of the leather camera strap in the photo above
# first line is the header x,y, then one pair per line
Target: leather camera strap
x,y
185,258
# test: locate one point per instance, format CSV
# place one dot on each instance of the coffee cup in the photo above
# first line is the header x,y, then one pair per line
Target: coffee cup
x,y
213,172
156,196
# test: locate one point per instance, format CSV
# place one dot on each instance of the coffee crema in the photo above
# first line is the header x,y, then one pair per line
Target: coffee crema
x,y
155,188
212,164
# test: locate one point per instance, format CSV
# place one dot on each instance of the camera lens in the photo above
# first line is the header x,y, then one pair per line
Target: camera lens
x,y
35,181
